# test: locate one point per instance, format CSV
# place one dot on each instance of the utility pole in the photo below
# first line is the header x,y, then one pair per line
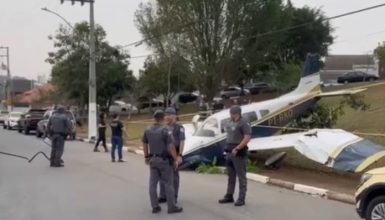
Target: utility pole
x,y
9,79
92,107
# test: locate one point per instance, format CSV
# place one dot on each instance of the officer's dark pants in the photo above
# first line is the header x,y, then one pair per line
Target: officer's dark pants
x,y
161,171
236,167
162,193
101,138
117,144
57,148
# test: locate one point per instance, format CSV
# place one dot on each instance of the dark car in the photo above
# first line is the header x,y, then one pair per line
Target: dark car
x,y
257,88
356,76
28,120
187,98
42,125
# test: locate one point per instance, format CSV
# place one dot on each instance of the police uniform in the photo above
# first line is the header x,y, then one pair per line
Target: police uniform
x,y
59,126
159,138
178,135
236,165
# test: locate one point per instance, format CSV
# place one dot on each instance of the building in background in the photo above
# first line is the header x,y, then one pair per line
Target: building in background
x,y
337,65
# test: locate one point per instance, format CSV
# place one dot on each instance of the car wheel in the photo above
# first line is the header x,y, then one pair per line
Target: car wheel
x,y
4,126
38,133
9,127
346,82
26,130
224,97
376,209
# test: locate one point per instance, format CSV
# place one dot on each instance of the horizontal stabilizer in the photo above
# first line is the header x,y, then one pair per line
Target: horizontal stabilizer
x,y
341,92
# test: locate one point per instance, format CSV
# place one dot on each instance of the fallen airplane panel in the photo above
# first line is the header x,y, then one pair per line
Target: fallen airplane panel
x,y
334,148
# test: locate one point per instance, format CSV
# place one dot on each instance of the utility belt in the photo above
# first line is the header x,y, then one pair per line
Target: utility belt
x,y
60,133
241,153
162,156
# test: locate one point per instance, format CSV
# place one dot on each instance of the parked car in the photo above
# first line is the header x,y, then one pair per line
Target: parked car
x,y
144,102
187,98
42,124
232,92
11,121
3,116
257,88
356,76
370,195
28,120
121,107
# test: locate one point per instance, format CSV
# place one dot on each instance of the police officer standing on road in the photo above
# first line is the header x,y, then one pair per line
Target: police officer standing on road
x,y
238,135
59,126
178,139
160,155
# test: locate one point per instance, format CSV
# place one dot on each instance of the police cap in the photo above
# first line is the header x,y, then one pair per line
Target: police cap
x,y
159,114
235,109
170,111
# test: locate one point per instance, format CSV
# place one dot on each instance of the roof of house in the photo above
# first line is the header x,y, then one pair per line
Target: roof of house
x,y
346,62
34,95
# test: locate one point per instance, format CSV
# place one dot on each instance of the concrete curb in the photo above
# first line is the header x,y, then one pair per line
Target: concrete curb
x,y
311,190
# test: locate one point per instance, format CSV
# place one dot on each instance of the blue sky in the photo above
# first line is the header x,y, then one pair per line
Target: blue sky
x,y
24,28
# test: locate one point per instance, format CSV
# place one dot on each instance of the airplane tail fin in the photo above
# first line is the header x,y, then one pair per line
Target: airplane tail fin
x,y
310,79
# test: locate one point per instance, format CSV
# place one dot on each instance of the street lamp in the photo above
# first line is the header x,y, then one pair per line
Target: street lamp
x,y
92,107
55,13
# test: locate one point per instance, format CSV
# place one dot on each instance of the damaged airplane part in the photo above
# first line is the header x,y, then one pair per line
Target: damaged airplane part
x,y
334,148
207,142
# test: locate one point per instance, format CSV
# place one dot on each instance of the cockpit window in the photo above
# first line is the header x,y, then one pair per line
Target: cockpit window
x,y
264,112
224,124
209,128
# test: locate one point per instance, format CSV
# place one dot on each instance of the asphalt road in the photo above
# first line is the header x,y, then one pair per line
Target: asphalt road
x,y
91,187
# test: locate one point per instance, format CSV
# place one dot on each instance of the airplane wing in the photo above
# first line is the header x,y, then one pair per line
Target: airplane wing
x,y
341,92
334,148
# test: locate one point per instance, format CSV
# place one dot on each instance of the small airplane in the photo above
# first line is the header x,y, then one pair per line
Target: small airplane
x,y
206,142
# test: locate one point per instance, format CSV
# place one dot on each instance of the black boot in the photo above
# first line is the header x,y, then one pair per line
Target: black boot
x,y
226,199
176,209
239,203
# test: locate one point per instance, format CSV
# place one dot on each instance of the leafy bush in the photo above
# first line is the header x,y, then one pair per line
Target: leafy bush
x,y
209,168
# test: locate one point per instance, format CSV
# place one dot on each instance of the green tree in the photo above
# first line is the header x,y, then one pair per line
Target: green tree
x,y
70,63
379,52
153,78
203,32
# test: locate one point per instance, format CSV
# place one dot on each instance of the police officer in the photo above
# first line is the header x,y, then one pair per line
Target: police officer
x,y
59,126
238,135
161,156
178,140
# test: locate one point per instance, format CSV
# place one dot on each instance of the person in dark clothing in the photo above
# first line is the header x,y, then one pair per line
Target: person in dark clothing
x,y
117,130
238,135
178,134
160,154
59,126
101,133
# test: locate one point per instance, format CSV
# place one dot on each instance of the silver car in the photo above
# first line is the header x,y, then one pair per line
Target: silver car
x,y
233,91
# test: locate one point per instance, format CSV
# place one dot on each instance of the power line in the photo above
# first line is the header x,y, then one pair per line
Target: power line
x,y
322,20
176,29
137,43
